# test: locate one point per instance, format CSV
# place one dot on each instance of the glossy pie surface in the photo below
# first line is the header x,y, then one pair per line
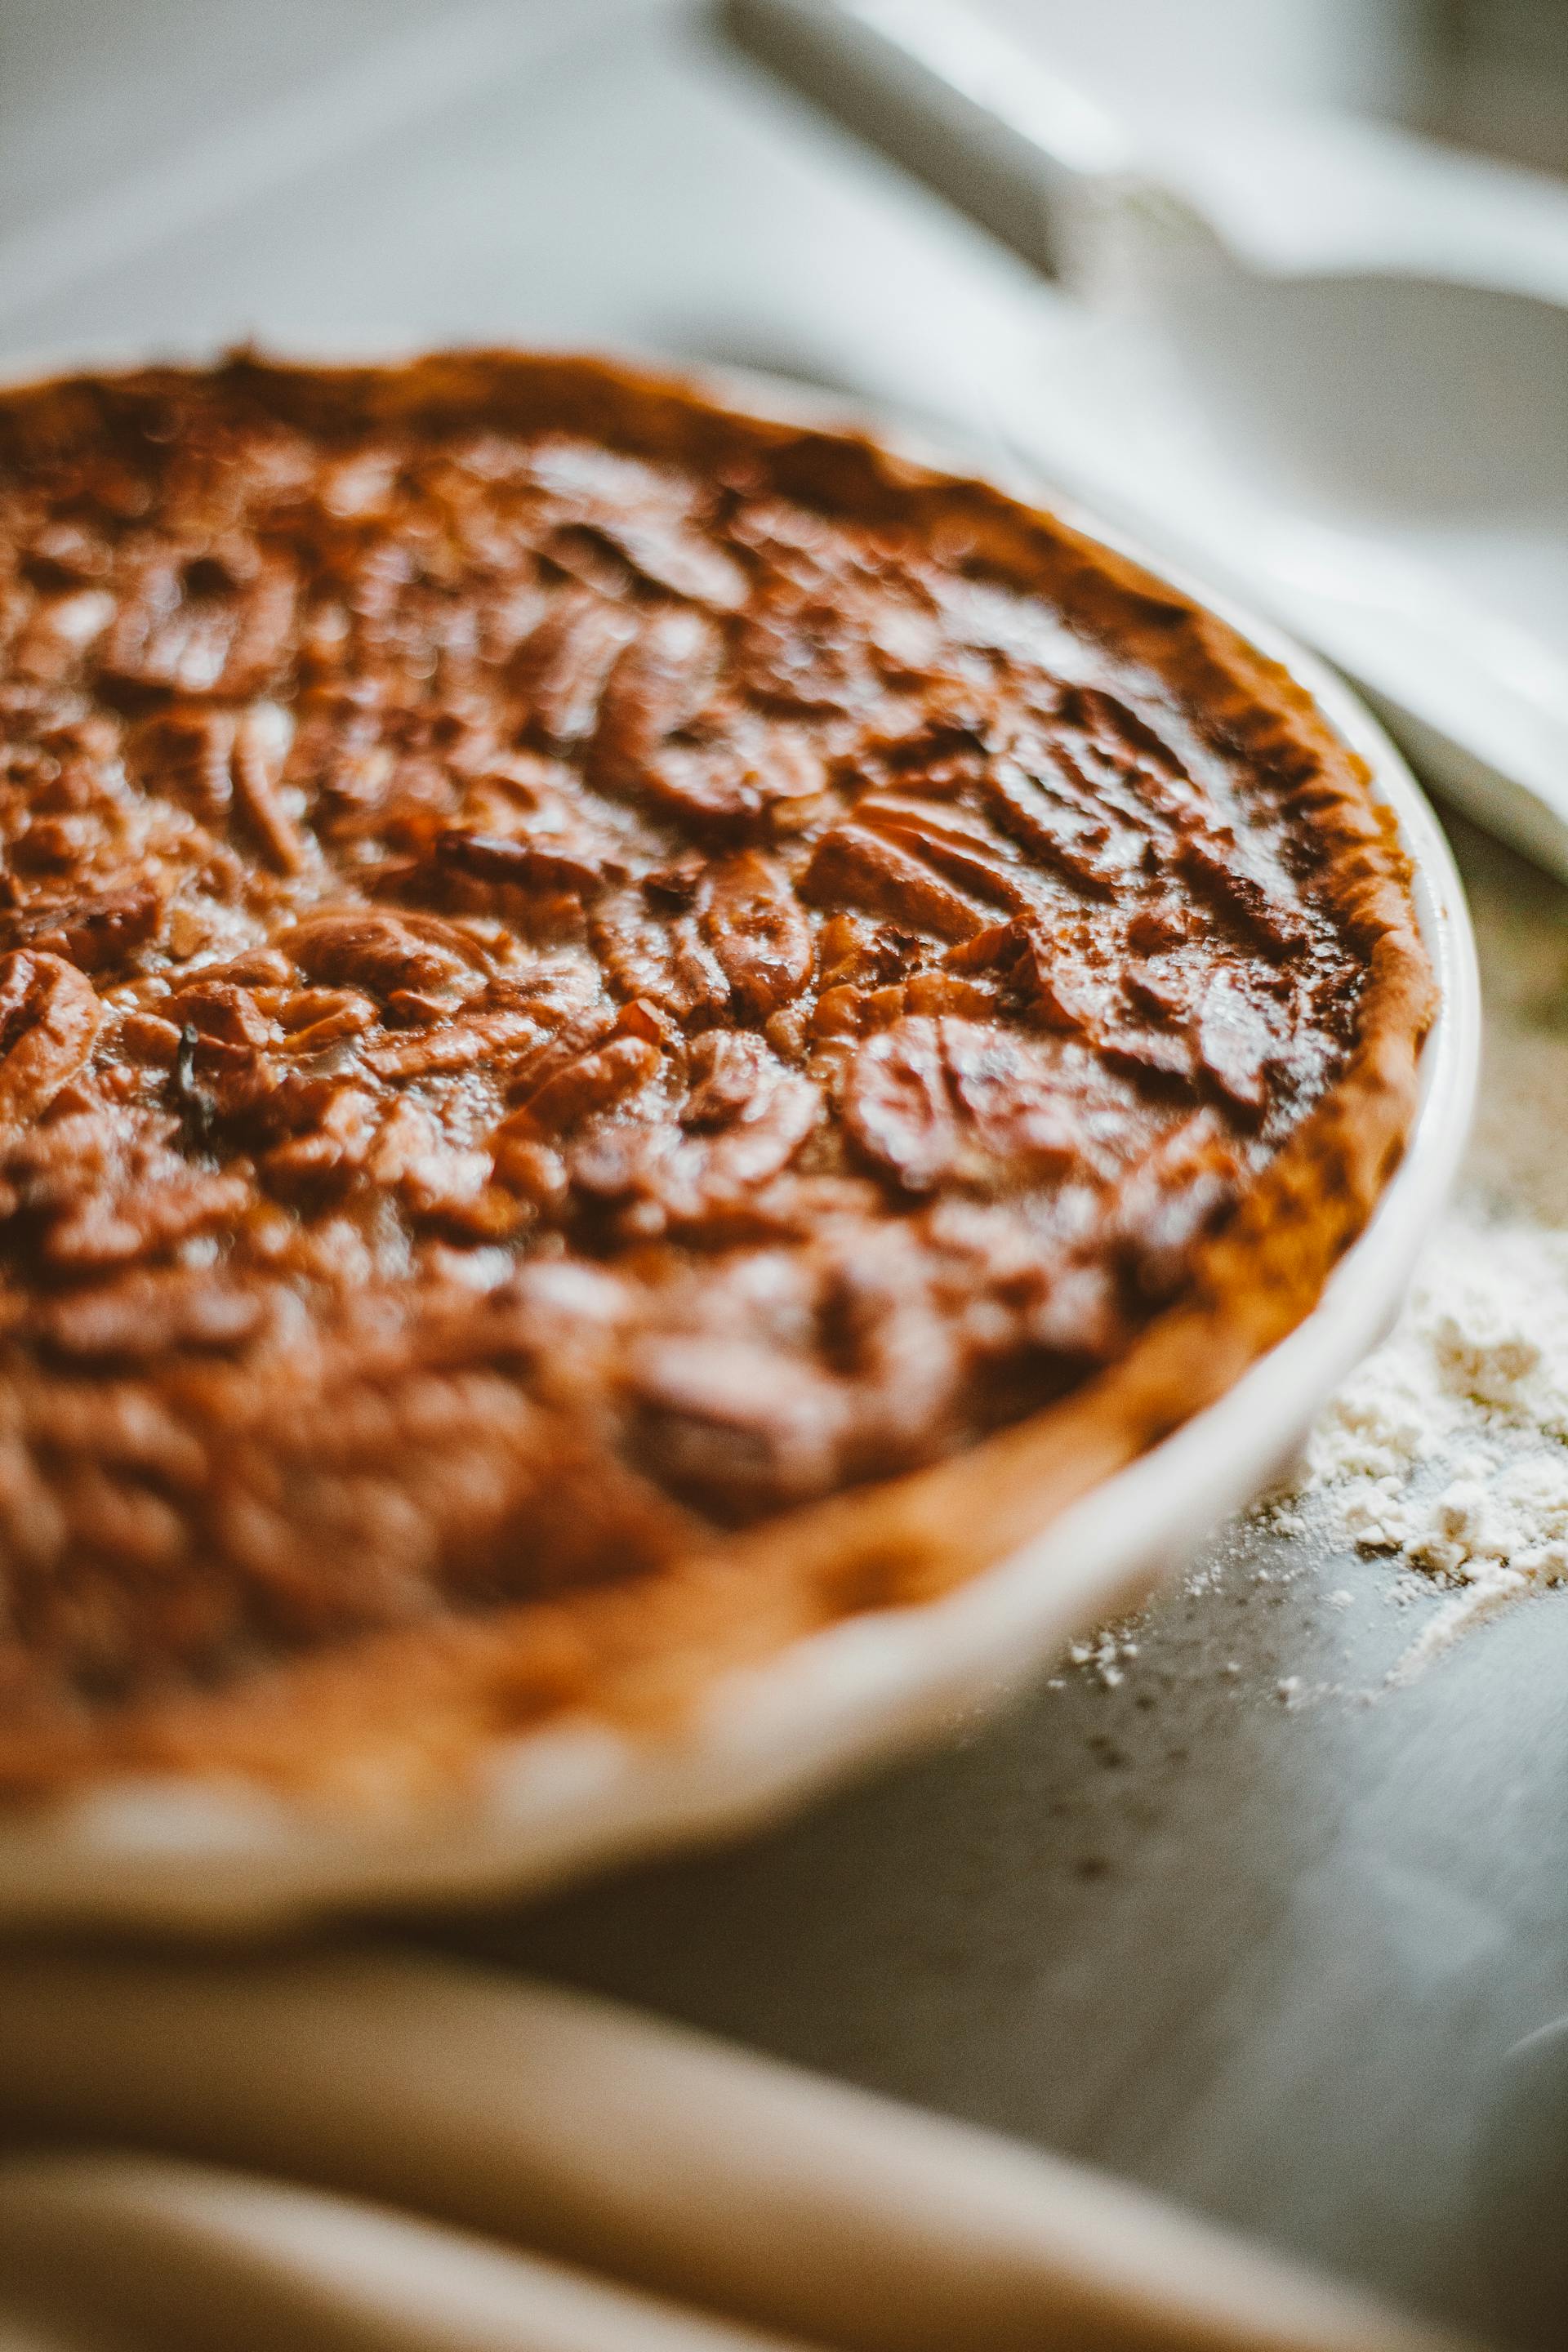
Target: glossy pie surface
x,y
580,974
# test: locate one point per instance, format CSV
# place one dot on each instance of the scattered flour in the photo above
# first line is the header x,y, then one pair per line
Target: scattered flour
x,y
1449,1446
1105,1655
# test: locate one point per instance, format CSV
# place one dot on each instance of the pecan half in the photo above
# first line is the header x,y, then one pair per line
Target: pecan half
x,y
523,864
560,669
932,1100
364,948
759,932
99,933
589,1084
49,1018
855,865
148,1313
260,746
659,682
645,954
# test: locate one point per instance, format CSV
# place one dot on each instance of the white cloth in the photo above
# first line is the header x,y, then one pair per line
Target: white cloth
x,y
533,2118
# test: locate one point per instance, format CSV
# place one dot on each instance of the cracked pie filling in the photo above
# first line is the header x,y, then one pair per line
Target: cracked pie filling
x,y
624,1029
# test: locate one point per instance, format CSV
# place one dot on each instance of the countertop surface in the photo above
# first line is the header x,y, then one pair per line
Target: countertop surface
x,y
1293,1959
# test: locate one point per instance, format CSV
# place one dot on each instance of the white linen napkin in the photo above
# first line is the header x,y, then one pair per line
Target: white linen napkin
x,y
117,2253
700,2193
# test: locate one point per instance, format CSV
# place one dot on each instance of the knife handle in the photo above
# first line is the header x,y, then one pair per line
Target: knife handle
x,y
978,119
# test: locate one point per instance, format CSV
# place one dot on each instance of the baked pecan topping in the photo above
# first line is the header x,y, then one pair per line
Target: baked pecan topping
x,y
554,997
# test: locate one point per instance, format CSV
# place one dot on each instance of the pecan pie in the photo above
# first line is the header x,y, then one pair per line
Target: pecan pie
x,y
626,1029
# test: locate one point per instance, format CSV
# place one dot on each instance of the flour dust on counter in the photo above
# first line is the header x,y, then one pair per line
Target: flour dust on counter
x,y
1448,1450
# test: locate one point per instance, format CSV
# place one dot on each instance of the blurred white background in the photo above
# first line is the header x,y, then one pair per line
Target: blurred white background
x,y
89,85
180,172
1366,54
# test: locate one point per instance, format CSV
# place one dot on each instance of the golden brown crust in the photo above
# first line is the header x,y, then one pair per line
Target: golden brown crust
x,y
411,1705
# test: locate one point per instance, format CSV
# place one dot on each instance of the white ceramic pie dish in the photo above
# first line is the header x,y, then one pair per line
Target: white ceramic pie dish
x,y
221,1857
